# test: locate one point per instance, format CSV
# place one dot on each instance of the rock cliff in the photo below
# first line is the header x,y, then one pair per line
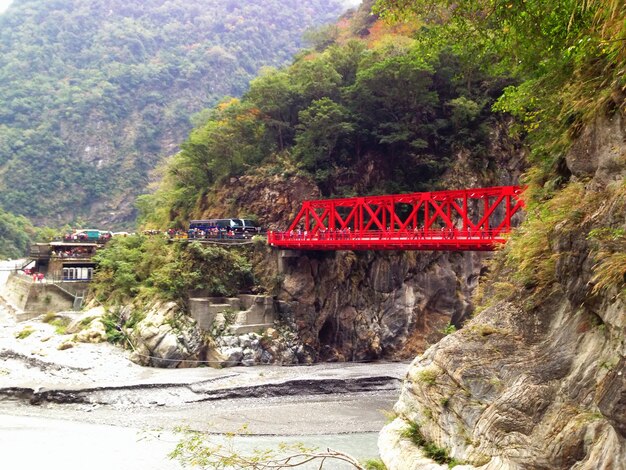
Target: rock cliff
x,y
361,306
537,380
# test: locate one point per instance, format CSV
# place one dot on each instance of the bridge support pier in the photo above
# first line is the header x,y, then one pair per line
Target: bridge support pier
x,y
283,256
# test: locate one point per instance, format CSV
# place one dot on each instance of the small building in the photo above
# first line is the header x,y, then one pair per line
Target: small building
x,y
67,260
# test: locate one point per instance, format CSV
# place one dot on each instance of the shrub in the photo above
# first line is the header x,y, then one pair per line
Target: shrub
x,y
430,449
48,317
140,269
374,464
60,325
529,251
25,333
113,328
610,271
449,329
428,376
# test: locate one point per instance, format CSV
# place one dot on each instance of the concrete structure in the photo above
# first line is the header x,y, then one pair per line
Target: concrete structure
x,y
65,260
243,314
30,299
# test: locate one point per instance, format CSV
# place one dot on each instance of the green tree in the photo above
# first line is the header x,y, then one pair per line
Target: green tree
x,y
323,127
315,79
141,268
274,94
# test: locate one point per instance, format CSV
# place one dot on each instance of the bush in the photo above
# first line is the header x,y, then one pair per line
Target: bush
x,y
428,376
60,324
113,328
374,464
140,269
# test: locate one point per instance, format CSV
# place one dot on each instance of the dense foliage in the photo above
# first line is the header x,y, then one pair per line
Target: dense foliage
x,y
568,58
397,109
148,267
94,92
17,233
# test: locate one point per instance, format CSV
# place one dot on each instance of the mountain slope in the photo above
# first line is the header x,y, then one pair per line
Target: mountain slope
x,y
537,379
94,93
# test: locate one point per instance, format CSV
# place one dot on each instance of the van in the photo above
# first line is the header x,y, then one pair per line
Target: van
x,y
250,226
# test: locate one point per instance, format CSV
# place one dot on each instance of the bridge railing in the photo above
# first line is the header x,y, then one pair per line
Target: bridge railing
x,y
338,235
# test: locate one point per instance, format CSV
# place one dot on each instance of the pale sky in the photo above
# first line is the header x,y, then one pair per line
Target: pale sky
x,y
4,4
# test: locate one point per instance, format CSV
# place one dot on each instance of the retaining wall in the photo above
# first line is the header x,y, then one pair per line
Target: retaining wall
x,y
31,299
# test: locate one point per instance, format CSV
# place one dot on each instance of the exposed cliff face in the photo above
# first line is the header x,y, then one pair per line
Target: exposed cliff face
x,y
539,380
274,200
358,306
502,165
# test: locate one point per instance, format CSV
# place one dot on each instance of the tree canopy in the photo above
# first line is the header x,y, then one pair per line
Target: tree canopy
x,y
403,105
567,57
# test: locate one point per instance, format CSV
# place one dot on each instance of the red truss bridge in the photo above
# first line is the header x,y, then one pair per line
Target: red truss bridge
x,y
466,219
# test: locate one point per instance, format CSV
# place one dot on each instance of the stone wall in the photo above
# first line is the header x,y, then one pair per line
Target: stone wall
x,y
250,313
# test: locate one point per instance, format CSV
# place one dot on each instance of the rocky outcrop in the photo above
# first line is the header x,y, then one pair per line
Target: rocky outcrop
x,y
538,380
88,327
270,347
523,390
502,165
166,338
363,306
274,199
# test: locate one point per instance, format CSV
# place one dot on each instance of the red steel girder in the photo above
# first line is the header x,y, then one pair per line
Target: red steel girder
x,y
465,219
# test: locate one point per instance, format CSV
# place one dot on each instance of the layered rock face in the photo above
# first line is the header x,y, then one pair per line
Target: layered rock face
x,y
360,306
342,306
537,381
275,200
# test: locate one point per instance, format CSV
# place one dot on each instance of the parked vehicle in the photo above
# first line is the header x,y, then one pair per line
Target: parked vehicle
x,y
207,224
250,226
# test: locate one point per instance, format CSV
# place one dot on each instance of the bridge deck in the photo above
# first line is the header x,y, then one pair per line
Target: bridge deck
x,y
381,240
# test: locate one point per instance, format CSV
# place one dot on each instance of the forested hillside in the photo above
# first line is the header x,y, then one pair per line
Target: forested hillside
x,y
93,93
16,234
371,109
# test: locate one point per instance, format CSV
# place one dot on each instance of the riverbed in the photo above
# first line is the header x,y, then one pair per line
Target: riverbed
x,y
90,407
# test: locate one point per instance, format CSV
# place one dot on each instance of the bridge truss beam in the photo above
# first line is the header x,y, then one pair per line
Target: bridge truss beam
x,y
467,219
